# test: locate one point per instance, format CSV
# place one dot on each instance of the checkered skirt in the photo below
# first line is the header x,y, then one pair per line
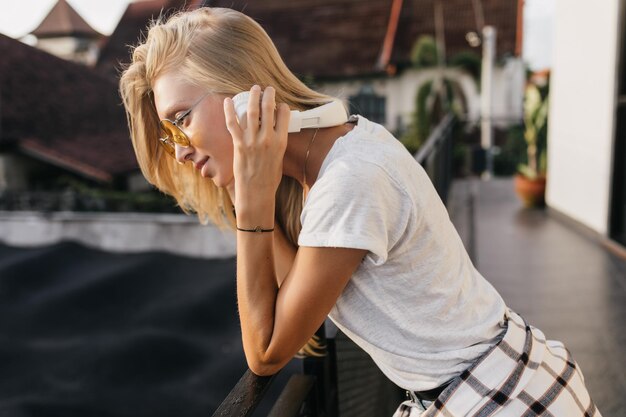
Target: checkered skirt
x,y
522,375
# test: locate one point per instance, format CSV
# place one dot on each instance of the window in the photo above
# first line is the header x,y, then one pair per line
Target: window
x,y
369,105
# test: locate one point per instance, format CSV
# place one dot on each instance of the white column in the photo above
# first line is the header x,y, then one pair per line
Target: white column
x,y
486,95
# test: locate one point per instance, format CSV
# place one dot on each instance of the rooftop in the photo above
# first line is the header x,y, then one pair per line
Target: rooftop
x,y
331,38
340,38
63,20
63,113
132,24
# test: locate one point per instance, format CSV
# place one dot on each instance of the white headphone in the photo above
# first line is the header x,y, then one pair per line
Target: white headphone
x,y
326,115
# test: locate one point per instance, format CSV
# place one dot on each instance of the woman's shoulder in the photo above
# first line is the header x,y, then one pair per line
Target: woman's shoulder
x,y
360,199
369,152
368,134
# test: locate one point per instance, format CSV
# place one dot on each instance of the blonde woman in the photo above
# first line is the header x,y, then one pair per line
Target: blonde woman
x,y
339,222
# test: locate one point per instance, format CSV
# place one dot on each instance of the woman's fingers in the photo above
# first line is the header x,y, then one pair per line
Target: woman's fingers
x,y
253,112
231,120
268,108
283,114
261,107
258,150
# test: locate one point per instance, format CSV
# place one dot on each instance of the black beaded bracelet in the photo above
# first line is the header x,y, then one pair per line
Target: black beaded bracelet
x,y
257,229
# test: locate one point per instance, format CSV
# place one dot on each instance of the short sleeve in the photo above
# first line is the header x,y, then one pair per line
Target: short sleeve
x,y
354,204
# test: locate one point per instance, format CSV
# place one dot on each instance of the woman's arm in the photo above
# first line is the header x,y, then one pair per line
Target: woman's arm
x,y
275,321
284,254
284,250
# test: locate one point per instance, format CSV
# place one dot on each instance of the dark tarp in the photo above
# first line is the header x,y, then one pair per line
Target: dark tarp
x,y
90,333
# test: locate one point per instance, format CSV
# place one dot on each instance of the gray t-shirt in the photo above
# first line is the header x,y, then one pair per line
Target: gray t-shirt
x,y
416,303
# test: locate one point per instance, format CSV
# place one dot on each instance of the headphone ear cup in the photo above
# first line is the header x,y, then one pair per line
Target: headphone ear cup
x,y
240,101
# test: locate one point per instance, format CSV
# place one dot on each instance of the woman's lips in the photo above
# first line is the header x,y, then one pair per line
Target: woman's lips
x,y
203,168
200,164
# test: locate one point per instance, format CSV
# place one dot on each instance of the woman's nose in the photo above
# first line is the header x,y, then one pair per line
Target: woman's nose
x,y
183,153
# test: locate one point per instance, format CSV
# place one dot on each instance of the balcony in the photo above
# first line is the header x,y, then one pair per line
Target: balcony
x,y
87,332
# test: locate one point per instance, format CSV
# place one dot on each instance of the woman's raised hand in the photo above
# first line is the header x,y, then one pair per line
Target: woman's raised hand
x,y
259,148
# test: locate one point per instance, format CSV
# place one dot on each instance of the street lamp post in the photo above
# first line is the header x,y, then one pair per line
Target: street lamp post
x,y
486,95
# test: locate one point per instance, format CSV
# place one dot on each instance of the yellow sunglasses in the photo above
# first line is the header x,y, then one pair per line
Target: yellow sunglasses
x,y
172,134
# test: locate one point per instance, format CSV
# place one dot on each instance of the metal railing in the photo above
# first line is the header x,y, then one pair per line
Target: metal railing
x,y
345,381
435,155
303,395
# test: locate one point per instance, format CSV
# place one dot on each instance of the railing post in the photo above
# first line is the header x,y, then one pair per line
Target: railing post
x,y
292,401
435,155
323,367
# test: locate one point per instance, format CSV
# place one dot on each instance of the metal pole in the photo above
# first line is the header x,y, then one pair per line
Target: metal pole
x,y
486,95
439,87
3,162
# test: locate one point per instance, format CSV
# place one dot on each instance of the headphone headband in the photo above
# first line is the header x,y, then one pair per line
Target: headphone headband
x,y
326,115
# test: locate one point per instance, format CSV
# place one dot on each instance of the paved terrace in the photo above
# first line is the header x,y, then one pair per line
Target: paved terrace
x,y
554,273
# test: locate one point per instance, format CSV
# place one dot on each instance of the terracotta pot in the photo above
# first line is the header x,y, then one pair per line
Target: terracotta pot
x,y
531,192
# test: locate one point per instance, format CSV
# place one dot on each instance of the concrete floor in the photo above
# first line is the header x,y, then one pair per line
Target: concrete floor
x,y
559,278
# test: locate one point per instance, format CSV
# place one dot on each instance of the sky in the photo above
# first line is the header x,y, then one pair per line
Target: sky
x,y
19,17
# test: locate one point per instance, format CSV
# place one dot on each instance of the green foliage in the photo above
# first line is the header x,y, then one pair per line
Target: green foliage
x,y
434,98
468,61
536,106
308,80
424,53
420,126
87,197
422,117
512,153
430,107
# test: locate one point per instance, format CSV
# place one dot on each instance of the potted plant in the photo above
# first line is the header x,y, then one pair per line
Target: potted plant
x,y
530,180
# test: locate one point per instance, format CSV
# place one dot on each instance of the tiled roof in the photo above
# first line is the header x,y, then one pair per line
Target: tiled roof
x,y
459,18
322,38
132,23
62,112
63,20
340,38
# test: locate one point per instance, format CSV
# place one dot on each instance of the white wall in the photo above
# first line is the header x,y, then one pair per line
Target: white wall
x,y
401,90
118,232
83,51
509,81
580,135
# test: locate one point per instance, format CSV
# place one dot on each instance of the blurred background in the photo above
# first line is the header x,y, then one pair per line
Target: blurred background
x,y
114,303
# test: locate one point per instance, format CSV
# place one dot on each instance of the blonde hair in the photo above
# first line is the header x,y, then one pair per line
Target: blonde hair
x,y
226,52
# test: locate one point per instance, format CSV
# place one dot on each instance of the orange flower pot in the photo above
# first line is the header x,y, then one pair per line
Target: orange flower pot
x,y
531,191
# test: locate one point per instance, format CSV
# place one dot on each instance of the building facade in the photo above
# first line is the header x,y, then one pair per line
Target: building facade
x,y
587,131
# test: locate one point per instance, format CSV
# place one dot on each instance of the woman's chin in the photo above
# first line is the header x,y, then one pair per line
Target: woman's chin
x,y
218,181
221,181
219,177
208,174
